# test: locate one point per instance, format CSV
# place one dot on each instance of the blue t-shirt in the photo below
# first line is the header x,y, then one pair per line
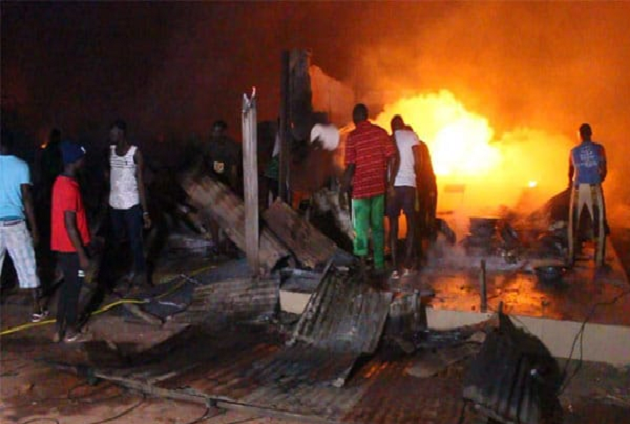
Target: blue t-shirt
x,y
13,173
587,159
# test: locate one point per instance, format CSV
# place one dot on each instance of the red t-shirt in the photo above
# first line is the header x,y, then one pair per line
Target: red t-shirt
x,y
66,197
368,147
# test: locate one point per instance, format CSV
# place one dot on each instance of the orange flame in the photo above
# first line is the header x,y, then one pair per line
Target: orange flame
x,y
493,171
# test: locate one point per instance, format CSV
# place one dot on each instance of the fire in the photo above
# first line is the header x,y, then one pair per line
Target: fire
x,y
492,170
459,140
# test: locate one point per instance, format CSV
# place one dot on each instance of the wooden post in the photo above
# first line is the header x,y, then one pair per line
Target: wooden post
x,y
283,130
482,287
250,171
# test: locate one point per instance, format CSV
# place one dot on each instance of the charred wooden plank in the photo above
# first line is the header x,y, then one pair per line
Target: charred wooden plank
x,y
219,203
310,247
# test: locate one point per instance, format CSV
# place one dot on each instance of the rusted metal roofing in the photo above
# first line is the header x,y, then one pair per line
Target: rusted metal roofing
x,y
344,315
239,298
269,379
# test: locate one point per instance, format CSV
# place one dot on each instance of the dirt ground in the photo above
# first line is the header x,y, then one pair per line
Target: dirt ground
x,y
34,391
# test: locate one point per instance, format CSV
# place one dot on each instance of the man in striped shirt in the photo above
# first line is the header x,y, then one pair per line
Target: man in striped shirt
x,y
369,154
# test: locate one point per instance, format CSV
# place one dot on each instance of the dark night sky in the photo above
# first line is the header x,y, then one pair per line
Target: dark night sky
x,y
175,67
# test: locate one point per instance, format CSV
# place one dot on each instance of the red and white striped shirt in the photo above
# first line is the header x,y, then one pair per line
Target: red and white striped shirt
x,y
368,147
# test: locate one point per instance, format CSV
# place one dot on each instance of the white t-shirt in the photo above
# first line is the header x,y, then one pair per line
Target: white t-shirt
x,y
328,135
405,140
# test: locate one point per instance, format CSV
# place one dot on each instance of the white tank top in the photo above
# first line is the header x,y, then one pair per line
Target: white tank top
x,y
123,181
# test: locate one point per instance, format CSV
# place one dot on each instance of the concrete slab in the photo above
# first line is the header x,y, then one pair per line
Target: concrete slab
x,y
554,313
564,339
575,298
294,302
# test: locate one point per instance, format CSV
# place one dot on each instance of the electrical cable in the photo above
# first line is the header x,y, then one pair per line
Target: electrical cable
x,y
580,336
243,421
186,279
122,414
41,420
51,321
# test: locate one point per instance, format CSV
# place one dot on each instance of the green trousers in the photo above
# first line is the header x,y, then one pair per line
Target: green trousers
x,y
368,213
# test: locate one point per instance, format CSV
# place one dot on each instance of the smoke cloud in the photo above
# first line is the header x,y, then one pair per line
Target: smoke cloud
x,y
534,70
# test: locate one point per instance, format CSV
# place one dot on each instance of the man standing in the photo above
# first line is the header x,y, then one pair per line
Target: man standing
x,y
16,206
369,151
127,197
404,195
587,172
223,156
69,238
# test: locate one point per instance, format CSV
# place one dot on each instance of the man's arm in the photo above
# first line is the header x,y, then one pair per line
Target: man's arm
x,y
106,164
393,164
417,161
70,219
29,210
603,167
393,167
141,189
347,178
393,161
349,160
571,170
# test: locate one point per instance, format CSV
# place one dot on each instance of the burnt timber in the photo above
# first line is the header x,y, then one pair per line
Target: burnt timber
x,y
216,201
311,248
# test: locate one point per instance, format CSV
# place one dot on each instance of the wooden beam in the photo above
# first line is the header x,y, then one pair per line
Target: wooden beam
x,y
216,201
310,247
283,130
250,171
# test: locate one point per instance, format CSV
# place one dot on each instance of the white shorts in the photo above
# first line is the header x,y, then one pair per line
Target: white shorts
x,y
15,238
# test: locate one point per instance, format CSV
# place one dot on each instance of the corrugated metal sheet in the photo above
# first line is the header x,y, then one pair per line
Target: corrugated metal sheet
x,y
232,299
344,314
514,379
263,374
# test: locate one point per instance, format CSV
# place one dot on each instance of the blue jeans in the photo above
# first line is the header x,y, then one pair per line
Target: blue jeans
x,y
130,221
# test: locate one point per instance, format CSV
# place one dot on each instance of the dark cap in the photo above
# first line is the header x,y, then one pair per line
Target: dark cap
x,y
71,152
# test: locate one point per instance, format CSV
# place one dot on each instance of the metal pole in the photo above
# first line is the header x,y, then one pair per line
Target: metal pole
x,y
250,171
482,284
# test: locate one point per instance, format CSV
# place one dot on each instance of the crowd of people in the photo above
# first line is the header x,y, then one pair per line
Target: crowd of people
x,y
53,221
385,174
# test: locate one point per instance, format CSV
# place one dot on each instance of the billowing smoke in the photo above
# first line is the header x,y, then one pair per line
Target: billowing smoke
x,y
540,68
535,71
